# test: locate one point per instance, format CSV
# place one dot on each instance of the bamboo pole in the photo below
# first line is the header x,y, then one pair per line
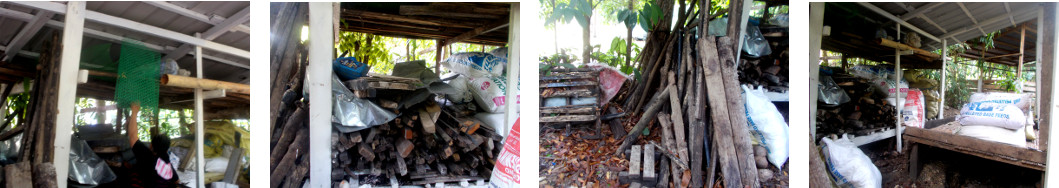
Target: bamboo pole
x,y
206,84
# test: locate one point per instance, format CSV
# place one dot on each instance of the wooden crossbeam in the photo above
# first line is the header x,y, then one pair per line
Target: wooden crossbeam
x,y
477,31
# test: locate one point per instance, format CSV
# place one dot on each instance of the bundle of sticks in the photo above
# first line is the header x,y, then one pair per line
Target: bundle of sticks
x,y
706,129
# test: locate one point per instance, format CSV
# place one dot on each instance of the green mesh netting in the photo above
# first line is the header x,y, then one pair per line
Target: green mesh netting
x,y
138,75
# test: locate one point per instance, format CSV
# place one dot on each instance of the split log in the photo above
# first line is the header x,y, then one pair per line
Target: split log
x,y
721,121
645,120
740,131
296,149
818,175
291,129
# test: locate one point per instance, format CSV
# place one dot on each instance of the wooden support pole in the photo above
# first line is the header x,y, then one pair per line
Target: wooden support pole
x,y
200,131
437,56
73,33
1022,57
321,43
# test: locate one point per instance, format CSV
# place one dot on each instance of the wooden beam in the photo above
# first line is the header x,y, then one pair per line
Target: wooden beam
x,y
28,31
451,11
986,149
477,31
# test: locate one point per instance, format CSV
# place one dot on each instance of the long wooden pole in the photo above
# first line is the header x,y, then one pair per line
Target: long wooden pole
x,y
205,84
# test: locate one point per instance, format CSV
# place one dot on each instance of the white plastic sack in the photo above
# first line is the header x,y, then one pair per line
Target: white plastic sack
x,y
216,164
460,84
767,125
489,92
475,64
499,52
992,114
849,166
1023,101
495,120
1013,137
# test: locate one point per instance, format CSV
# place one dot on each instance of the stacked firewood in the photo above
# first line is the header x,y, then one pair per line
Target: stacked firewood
x,y
866,112
423,146
34,167
690,87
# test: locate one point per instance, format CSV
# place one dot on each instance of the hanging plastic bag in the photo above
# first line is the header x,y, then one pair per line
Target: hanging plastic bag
x,y
755,44
849,166
350,111
767,125
830,93
85,166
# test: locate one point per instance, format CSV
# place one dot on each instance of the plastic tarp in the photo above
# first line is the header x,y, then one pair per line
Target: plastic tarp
x,y
610,81
415,69
85,166
830,93
350,111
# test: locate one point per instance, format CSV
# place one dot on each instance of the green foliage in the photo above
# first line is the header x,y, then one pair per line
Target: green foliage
x,y
650,15
615,56
368,49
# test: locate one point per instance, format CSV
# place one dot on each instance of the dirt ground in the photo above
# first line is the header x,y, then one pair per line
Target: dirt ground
x,y
943,168
568,160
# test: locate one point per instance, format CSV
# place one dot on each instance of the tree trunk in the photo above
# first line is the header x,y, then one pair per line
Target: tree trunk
x,y
628,39
586,31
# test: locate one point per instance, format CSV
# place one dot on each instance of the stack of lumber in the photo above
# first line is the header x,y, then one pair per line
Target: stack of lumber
x,y
865,113
690,87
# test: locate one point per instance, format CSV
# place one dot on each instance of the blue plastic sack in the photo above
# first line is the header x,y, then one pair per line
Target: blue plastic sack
x,y
348,68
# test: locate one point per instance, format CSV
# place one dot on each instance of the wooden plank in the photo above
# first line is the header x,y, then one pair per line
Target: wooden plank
x,y
569,84
591,109
570,76
740,130
986,149
649,175
721,123
669,144
616,127
568,118
1046,63
678,123
235,164
477,31
565,92
913,162
635,159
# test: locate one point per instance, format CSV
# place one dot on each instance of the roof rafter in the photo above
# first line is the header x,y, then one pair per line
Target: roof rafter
x,y
214,19
27,32
213,33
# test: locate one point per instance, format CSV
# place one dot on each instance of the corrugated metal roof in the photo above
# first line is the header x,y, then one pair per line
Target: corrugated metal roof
x,y
155,16
959,25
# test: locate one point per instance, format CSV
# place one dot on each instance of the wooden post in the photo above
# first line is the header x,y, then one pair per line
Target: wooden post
x,y
437,57
73,33
511,92
816,27
200,136
319,83
1022,56
944,63
1047,77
